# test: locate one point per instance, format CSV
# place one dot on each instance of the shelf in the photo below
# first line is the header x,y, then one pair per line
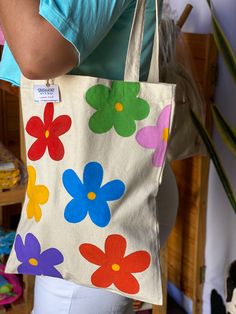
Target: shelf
x,y
9,133
13,196
20,309
16,309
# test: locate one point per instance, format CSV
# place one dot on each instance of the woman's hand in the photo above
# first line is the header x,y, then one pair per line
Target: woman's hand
x,y
137,305
39,49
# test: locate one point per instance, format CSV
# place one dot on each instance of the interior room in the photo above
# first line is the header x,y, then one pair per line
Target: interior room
x,y
117,157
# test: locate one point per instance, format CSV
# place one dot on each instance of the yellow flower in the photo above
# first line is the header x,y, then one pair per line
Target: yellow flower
x,y
37,194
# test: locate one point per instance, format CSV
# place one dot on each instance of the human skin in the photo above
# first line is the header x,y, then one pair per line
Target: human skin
x,y
39,49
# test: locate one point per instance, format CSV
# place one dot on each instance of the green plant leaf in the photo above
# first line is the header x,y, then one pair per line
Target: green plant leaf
x,y
223,43
226,132
215,159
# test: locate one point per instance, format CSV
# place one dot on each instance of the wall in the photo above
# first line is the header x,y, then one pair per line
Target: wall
x,y
221,220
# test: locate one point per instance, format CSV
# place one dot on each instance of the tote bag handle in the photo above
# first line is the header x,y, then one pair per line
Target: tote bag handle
x,y
133,58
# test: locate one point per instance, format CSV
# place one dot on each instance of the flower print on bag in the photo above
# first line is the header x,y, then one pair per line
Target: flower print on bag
x,y
37,195
90,197
115,268
35,262
47,133
156,137
119,107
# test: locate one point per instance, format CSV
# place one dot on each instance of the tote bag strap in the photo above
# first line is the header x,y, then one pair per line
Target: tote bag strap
x,y
133,58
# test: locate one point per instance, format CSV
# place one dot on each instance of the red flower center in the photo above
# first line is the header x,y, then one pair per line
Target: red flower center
x,y
47,134
115,267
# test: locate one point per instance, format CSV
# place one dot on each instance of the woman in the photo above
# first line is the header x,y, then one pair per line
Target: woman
x,y
49,38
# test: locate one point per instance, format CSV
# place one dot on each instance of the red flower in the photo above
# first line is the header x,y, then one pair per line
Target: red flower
x,y
47,134
115,268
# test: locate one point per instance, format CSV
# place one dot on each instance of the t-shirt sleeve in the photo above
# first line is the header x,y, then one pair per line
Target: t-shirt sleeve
x,y
84,23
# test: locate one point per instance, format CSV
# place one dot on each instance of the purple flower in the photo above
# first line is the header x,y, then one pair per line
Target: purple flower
x,y
156,137
34,261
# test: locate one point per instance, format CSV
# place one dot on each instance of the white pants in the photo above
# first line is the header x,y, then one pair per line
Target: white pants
x,y
58,296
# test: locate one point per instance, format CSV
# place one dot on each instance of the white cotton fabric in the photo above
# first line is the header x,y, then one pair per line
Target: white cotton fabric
x,y
134,216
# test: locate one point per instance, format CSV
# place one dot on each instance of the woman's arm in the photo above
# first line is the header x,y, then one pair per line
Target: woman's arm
x,y
39,49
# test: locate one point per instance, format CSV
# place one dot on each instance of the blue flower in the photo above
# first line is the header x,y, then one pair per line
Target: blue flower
x,y
90,197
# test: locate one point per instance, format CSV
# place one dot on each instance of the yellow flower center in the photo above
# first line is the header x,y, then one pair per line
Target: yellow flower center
x,y
47,134
33,261
115,267
91,196
165,134
119,107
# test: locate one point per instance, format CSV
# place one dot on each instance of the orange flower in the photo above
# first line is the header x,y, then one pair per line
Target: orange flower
x,y
115,268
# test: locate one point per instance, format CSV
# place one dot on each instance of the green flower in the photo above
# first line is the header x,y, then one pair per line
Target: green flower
x,y
119,107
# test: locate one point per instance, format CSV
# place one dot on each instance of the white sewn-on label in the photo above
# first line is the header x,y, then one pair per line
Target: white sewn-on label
x,y
43,93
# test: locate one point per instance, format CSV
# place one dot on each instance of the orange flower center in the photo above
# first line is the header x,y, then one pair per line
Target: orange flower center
x,y
33,262
165,134
115,267
91,196
119,107
47,134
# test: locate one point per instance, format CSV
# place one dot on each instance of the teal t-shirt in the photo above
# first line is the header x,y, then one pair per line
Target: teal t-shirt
x,y
99,30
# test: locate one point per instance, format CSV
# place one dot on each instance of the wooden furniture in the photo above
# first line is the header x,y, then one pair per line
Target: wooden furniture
x,y
164,269
186,244
183,262
13,196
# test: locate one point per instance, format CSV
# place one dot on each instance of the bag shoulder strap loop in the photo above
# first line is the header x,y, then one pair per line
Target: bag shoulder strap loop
x,y
133,58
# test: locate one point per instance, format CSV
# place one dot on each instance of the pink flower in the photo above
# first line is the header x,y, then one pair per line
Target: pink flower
x,y
156,137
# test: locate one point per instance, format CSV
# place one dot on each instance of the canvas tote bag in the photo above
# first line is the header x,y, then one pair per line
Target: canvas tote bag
x,y
95,162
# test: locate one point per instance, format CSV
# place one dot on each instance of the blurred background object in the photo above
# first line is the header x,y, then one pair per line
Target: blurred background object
x,y
12,171
2,40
